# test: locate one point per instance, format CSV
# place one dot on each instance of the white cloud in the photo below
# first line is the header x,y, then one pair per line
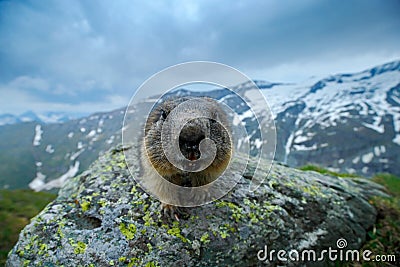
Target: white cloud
x,y
77,52
28,83
19,100
297,71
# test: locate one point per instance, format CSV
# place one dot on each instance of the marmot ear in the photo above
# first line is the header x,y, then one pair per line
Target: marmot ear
x,y
163,114
215,116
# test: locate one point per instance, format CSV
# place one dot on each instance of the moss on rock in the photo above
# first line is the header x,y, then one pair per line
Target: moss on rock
x,y
103,217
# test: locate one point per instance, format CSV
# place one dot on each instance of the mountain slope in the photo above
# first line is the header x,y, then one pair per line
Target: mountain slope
x,y
348,122
44,117
345,122
36,153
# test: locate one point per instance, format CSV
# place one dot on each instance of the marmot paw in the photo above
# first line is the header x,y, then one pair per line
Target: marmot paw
x,y
170,211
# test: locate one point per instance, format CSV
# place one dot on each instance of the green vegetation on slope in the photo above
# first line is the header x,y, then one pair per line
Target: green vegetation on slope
x,y
325,171
17,207
391,182
17,159
384,238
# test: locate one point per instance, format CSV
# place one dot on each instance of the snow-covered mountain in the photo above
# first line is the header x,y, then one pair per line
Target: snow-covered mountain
x,y
345,122
43,155
44,117
8,119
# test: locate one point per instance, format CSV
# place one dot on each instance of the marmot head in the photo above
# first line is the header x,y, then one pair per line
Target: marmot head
x,y
189,125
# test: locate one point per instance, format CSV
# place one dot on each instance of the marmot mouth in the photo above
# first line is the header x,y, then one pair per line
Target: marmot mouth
x,y
190,148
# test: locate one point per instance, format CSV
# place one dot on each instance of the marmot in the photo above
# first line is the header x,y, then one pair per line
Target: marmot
x,y
209,120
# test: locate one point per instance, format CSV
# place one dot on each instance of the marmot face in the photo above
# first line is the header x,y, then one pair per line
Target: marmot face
x,y
191,136
203,119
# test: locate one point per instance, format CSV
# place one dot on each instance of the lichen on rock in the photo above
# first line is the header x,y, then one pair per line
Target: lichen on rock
x,y
103,218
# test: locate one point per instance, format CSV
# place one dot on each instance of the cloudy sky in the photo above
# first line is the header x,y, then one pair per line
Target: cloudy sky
x,y
87,56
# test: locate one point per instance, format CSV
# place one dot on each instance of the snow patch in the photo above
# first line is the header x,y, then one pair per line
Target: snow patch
x,y
333,169
240,118
300,139
377,151
110,140
37,182
365,169
76,154
367,157
305,148
350,170
79,145
91,134
38,135
396,140
49,149
378,128
239,144
288,146
70,135
258,143
223,99
39,185
236,120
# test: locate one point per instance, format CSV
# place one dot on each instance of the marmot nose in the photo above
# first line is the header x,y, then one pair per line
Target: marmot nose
x,y
191,133
189,142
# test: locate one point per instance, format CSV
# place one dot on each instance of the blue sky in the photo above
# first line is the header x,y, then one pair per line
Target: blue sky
x,y
87,56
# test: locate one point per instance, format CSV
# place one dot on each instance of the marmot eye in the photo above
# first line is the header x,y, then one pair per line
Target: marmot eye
x,y
163,114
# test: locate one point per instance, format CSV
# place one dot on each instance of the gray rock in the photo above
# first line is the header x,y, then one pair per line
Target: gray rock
x,y
103,218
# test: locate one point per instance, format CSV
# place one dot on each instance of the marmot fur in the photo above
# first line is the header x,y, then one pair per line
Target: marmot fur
x,y
208,116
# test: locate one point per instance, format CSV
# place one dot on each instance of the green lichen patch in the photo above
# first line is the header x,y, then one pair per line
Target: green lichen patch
x,y
236,211
176,231
205,238
223,230
85,205
152,264
79,247
134,262
42,249
314,191
129,232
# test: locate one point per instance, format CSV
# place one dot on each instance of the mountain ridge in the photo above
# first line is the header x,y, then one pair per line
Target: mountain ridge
x,y
41,117
344,122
